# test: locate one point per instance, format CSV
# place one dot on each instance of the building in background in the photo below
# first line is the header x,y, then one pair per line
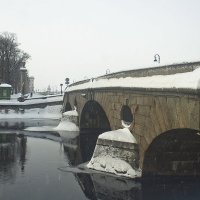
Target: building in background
x,y
24,83
5,91
31,84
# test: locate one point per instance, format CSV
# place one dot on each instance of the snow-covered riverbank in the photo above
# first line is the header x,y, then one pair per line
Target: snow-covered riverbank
x,y
14,114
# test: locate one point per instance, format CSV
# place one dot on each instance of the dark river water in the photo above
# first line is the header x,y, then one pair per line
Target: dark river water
x,y
42,166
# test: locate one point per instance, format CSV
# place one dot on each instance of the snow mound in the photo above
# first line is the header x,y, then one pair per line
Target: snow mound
x,y
71,113
49,112
69,121
114,166
121,135
66,126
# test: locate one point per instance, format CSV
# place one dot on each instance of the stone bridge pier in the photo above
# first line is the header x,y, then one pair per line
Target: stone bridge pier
x,y
165,123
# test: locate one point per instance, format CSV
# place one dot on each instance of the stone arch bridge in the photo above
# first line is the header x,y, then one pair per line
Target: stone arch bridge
x,y
165,120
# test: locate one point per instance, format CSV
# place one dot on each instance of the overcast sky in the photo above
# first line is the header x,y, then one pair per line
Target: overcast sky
x,y
84,38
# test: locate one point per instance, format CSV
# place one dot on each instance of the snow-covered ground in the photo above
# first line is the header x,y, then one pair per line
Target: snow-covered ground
x,y
31,101
49,112
112,165
188,80
41,129
14,114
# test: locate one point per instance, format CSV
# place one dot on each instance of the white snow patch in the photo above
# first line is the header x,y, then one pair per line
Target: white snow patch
x,y
114,166
188,80
68,121
121,135
40,129
67,126
32,101
67,135
23,69
5,85
49,112
71,113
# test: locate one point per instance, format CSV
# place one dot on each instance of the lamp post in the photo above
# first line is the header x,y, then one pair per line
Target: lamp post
x,y
108,71
66,83
157,58
61,88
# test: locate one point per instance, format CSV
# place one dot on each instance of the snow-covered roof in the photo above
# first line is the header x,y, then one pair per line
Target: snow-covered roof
x,y
5,85
23,69
187,80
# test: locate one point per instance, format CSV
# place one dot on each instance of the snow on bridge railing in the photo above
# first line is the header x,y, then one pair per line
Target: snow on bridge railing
x,y
79,82
144,72
161,70
178,77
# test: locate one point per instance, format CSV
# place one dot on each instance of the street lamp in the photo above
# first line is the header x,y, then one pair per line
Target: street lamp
x,y
61,88
157,58
67,81
108,71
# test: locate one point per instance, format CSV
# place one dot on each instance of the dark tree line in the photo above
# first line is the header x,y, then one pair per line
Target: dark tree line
x,y
12,59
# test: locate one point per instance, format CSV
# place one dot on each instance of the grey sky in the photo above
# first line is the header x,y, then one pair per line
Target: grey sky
x,y
81,38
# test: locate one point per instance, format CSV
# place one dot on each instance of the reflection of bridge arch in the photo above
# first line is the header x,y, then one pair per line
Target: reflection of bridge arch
x,y
93,122
12,155
175,152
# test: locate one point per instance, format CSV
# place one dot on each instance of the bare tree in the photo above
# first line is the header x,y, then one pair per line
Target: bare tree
x,y
12,58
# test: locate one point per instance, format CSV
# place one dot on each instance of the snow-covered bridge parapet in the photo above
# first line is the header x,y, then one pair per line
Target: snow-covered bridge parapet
x,y
164,112
179,78
152,71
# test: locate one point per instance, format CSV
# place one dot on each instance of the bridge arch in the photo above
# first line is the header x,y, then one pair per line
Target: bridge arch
x,y
94,117
67,107
174,152
93,122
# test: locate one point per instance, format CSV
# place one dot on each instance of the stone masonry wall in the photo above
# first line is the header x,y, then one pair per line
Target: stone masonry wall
x,y
153,113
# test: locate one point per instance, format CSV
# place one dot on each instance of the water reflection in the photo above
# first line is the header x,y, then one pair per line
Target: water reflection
x,y
106,187
40,179
12,152
171,188
87,144
21,123
79,149
103,186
